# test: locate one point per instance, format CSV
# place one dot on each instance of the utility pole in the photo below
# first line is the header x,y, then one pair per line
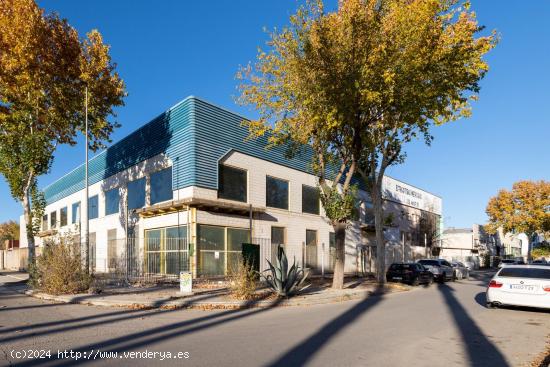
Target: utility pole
x,y
87,232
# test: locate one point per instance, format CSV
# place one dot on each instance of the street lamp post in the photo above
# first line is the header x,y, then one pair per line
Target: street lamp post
x,y
87,232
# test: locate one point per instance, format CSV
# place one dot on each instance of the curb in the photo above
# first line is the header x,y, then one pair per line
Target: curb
x,y
200,305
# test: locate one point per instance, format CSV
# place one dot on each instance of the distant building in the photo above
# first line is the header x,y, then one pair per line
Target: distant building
x,y
472,243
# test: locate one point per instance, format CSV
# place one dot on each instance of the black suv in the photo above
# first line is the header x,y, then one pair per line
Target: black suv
x,y
411,273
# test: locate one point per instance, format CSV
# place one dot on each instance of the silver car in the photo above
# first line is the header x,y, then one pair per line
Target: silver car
x,y
440,268
461,270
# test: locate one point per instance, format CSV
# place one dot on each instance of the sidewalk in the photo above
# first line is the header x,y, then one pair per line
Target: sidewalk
x,y
167,297
12,276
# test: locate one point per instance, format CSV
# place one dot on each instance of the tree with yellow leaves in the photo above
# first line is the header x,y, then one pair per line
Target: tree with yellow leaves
x,y
524,209
45,69
355,85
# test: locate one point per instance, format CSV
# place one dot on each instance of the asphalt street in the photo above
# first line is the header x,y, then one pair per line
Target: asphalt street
x,y
442,325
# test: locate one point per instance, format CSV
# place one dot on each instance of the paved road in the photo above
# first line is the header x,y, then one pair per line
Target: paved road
x,y
443,325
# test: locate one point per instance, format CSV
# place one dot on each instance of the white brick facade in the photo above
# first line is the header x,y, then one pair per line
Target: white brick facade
x,y
293,220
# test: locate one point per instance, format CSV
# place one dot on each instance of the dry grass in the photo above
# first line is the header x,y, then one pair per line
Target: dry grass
x,y
59,270
543,359
243,282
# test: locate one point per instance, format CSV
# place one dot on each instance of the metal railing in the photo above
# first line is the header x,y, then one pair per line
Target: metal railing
x,y
140,259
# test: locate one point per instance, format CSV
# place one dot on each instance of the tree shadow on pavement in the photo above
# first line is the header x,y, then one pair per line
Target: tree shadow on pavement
x,y
303,352
481,351
153,335
91,321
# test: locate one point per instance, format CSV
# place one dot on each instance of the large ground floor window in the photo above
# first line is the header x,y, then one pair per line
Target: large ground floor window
x,y
219,249
166,250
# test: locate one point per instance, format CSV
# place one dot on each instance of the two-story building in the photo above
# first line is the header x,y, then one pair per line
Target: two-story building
x,y
187,189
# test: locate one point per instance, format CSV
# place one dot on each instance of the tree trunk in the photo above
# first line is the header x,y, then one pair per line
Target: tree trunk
x,y
529,244
379,228
27,214
340,234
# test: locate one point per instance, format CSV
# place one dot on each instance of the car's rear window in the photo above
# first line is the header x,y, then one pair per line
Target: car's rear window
x,y
525,273
508,261
428,262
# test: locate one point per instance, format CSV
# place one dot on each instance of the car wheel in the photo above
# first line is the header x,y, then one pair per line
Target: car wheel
x,y
415,282
491,305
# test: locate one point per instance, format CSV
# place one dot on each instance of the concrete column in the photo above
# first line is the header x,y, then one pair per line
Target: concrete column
x,y
193,246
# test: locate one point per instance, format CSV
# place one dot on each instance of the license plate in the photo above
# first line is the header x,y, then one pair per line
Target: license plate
x,y
523,287
397,278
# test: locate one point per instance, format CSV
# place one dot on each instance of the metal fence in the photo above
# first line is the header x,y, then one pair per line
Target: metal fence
x,y
140,259
161,258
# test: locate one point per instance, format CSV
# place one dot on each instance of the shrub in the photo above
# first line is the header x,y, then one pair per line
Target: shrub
x,y
59,269
243,281
542,250
283,281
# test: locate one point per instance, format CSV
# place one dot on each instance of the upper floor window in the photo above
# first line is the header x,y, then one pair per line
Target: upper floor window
x,y
161,186
63,217
136,194
45,222
310,199
93,210
75,214
53,219
276,193
232,183
112,200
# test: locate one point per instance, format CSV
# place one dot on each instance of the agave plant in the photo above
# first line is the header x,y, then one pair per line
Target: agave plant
x,y
284,281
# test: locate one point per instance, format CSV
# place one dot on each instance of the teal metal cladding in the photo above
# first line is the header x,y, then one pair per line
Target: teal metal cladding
x,y
194,134
169,133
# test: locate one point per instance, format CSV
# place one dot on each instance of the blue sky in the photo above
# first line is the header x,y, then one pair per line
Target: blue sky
x,y
167,50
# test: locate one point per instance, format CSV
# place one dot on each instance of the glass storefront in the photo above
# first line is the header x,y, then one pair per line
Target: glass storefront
x,y
166,250
219,249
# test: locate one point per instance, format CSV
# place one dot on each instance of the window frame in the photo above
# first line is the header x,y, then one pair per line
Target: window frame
x,y
284,235
45,222
267,203
106,195
96,197
144,193
73,216
318,205
61,210
221,185
53,219
151,176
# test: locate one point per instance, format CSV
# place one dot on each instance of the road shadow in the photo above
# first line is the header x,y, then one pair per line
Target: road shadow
x,y
481,351
153,335
92,321
481,299
303,352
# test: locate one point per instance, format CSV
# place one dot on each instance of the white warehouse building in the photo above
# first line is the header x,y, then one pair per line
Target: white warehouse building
x,y
187,190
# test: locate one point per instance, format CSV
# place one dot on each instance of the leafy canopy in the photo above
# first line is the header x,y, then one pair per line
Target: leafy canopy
x,y
9,231
526,208
357,83
44,70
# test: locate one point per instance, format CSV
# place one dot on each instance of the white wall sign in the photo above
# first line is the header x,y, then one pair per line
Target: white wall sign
x,y
403,193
